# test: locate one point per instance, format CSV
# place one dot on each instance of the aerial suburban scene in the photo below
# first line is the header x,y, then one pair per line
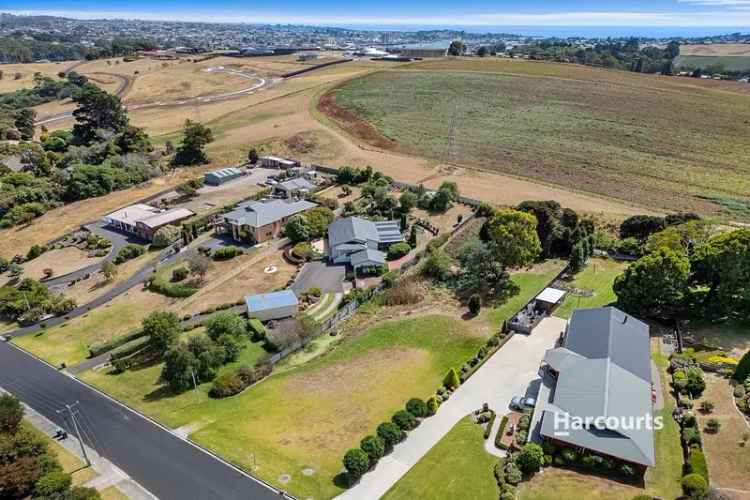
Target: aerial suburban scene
x,y
402,251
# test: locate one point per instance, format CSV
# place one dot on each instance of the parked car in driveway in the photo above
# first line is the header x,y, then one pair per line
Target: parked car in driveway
x,y
522,403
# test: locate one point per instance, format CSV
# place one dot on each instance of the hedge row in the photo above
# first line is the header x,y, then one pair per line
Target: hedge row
x,y
100,348
170,289
129,348
490,423
234,382
357,461
499,436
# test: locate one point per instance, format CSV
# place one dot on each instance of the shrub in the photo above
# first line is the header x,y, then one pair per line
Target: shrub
x,y
303,250
530,458
524,422
179,274
257,329
225,323
165,236
356,463
739,392
451,380
227,384
417,407
53,483
432,405
226,253
475,304
404,420
707,406
569,456
513,474
694,486
500,432
713,425
403,293
35,251
627,470
490,423
374,446
507,492
128,252
390,433
691,435
696,464
398,250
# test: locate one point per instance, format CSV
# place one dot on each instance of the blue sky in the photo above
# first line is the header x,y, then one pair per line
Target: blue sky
x,y
682,13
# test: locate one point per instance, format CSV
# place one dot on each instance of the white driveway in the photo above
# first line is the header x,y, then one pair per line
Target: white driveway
x,y
506,374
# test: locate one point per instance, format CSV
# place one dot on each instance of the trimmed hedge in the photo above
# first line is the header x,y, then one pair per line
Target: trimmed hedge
x,y
490,423
257,329
129,348
500,432
128,252
102,347
696,464
226,253
175,290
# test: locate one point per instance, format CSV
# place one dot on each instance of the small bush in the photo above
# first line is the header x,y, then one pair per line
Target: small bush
x,y
226,253
303,250
374,446
402,293
227,384
530,458
475,304
398,250
405,420
694,486
129,252
356,463
432,405
179,274
513,474
417,407
713,425
691,435
451,380
390,433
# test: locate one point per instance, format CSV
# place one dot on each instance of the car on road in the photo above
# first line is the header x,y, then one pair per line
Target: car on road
x,y
4,338
522,403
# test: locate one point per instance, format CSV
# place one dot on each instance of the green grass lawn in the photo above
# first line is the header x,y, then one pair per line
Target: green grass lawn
x,y
308,416
456,467
598,277
531,282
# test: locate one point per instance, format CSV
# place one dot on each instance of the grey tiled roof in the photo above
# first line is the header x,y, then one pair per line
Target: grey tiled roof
x,y
261,213
356,229
368,257
604,371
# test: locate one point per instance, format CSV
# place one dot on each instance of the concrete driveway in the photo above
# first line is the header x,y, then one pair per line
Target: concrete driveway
x,y
510,372
320,274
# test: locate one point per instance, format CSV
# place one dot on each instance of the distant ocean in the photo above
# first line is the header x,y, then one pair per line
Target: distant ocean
x,y
572,31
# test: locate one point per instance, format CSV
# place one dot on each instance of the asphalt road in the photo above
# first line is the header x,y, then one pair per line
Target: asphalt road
x,y
161,462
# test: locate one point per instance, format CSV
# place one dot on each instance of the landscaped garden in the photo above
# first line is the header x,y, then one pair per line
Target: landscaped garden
x,y
342,395
456,467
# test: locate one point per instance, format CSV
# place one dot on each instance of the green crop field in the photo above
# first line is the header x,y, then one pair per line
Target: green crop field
x,y
670,143
730,63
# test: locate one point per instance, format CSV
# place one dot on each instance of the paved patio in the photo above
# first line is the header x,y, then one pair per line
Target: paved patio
x,y
510,372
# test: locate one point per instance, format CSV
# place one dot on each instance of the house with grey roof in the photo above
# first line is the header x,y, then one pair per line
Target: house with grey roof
x,y
259,221
291,187
361,242
600,375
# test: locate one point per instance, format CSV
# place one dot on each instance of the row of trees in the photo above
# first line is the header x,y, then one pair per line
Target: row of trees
x,y
688,271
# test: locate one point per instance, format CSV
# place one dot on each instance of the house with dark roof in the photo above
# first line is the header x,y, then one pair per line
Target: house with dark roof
x,y
596,395
361,242
295,186
259,221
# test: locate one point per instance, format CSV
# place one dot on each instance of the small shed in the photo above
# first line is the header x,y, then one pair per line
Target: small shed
x,y
548,299
218,177
274,305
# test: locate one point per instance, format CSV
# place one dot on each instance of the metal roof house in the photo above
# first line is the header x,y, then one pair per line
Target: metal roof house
x,y
602,369
219,177
259,221
274,305
291,187
144,220
359,242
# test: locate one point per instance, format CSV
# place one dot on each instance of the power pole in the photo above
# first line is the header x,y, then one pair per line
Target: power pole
x,y
195,387
72,414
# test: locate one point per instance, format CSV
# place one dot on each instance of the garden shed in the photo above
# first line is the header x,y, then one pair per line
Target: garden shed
x,y
274,305
218,177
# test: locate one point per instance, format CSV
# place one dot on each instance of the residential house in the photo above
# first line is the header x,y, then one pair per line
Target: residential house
x,y
360,242
259,221
272,306
294,187
144,220
601,369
